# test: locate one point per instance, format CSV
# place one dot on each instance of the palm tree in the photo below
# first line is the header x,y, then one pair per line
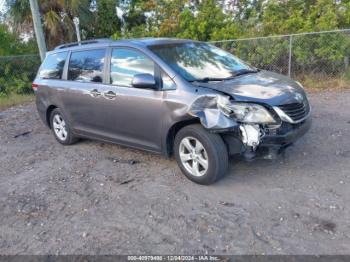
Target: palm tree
x,y
57,17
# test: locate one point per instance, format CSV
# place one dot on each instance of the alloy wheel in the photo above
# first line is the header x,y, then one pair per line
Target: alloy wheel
x,y
59,127
193,156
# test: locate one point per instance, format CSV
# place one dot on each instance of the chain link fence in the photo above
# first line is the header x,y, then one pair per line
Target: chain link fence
x,y
17,73
317,59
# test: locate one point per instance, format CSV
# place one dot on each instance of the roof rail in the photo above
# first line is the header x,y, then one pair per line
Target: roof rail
x,y
86,42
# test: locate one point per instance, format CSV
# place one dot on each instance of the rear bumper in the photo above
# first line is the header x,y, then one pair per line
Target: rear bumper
x,y
40,106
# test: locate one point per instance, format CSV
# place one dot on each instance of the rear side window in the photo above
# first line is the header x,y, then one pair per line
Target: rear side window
x,y
86,66
52,67
125,63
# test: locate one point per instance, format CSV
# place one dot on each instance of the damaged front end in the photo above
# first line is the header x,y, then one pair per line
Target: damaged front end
x,y
243,126
207,108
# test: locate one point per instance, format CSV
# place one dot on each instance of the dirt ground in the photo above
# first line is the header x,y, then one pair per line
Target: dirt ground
x,y
97,198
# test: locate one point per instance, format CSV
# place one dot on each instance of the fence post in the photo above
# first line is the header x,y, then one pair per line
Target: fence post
x,y
290,56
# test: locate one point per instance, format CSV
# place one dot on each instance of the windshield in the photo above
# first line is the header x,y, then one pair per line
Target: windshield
x,y
198,61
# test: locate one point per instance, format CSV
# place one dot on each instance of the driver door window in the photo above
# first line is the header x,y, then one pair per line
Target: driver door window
x,y
125,63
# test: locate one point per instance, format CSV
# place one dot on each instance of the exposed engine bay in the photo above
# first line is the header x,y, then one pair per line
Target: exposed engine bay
x,y
251,135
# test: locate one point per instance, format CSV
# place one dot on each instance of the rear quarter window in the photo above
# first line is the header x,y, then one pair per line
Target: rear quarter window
x,y
52,66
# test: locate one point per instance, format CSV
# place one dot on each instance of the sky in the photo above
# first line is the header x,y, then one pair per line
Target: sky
x,y
2,6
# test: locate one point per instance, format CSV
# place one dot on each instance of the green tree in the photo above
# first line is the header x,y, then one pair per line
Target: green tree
x,y
8,42
107,22
11,44
57,18
202,22
16,72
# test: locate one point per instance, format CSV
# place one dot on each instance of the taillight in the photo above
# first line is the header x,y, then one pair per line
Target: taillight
x,y
35,86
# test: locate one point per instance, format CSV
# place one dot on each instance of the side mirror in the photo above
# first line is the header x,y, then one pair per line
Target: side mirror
x,y
143,81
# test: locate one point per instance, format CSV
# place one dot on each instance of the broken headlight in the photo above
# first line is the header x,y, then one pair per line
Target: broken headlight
x,y
246,112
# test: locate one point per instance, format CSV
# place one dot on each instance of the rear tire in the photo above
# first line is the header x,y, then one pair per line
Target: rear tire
x,y
202,156
61,129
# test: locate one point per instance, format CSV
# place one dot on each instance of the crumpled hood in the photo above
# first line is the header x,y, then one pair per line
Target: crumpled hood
x,y
263,87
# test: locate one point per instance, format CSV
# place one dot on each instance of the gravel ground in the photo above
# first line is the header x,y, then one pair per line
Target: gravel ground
x,y
97,198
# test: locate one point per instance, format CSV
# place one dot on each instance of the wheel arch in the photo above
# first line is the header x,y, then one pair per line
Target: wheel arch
x,y
48,114
173,130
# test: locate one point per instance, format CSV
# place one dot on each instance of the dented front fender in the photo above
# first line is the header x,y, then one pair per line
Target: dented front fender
x,y
206,108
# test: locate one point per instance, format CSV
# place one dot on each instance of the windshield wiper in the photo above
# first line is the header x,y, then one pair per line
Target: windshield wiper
x,y
244,72
210,79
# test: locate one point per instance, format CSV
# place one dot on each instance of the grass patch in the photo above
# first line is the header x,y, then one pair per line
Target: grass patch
x,y
322,82
15,99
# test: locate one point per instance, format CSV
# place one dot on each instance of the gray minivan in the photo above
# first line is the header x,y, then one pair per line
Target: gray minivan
x,y
171,96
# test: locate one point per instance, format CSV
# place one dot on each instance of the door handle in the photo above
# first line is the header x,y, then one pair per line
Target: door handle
x,y
110,95
95,93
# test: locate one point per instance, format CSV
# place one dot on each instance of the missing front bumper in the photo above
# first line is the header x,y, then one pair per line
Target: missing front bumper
x,y
288,137
270,146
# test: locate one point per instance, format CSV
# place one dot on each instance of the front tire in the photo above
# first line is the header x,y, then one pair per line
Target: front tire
x,y
61,129
201,156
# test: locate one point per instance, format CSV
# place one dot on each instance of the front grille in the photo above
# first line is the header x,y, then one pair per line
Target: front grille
x,y
296,111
